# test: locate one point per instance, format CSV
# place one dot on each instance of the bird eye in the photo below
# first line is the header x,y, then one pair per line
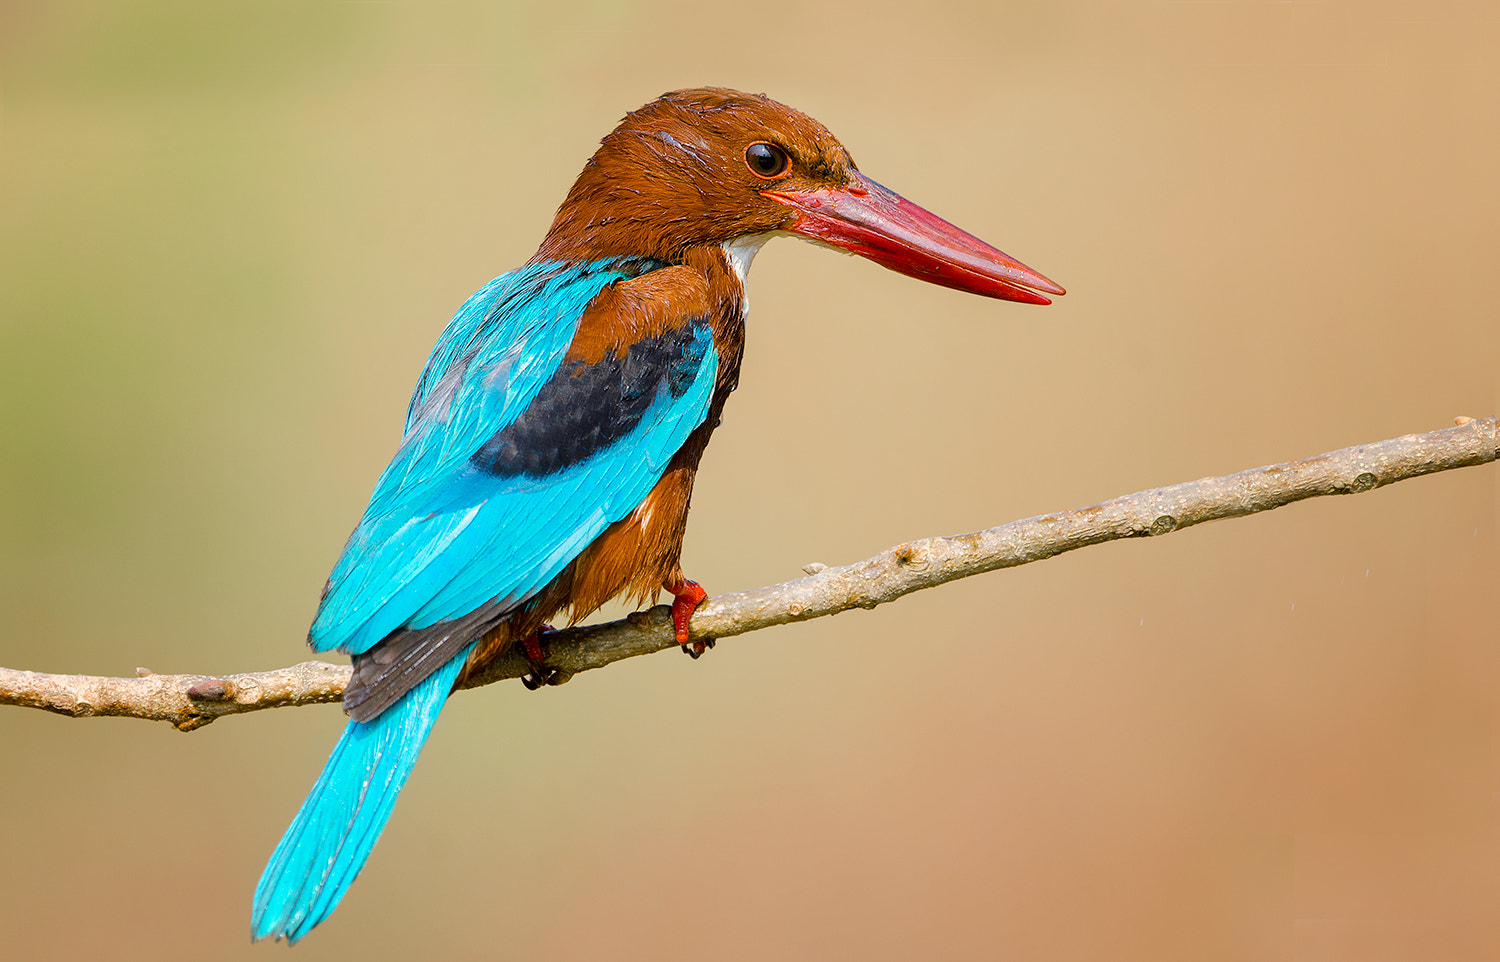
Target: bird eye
x,y
766,160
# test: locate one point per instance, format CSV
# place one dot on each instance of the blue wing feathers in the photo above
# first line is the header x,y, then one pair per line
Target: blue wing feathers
x,y
441,537
492,359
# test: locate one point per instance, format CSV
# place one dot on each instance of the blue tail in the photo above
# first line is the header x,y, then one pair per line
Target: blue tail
x,y
342,817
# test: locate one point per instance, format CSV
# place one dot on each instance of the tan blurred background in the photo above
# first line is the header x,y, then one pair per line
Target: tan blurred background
x,y
229,234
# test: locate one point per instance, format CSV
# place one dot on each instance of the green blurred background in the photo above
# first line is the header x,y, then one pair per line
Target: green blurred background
x,y
230,232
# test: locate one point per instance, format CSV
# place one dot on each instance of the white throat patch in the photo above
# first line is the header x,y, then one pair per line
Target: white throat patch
x,y
742,251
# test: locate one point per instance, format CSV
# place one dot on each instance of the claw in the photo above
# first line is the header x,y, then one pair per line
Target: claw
x,y
695,649
540,674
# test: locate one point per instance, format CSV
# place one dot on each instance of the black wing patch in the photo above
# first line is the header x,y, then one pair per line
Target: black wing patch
x,y
585,408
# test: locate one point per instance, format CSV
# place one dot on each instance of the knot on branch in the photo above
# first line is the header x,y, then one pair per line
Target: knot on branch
x,y
214,689
912,556
1165,524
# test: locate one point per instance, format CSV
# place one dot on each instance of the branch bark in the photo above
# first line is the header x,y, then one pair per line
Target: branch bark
x,y
192,701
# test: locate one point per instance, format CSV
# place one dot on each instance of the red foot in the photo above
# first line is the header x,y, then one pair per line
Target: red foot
x,y
540,673
686,597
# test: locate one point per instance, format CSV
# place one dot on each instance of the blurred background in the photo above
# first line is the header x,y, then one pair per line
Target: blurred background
x,y
230,232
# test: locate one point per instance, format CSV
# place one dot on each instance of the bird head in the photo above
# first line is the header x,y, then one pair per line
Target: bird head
x,y
711,166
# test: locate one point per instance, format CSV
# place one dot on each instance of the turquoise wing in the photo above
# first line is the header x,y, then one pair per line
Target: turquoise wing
x,y
512,463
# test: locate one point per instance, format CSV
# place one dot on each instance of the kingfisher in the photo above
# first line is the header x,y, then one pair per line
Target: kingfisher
x,y
552,442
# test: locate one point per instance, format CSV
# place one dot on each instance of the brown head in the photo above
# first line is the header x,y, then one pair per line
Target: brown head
x,y
710,166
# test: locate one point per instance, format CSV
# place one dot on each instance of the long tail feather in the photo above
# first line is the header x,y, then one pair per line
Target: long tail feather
x,y
342,817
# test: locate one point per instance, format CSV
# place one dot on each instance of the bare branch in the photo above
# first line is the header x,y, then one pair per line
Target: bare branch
x,y
186,701
191,701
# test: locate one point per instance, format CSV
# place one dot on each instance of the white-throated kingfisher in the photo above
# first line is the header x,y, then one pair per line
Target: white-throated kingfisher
x,y
551,445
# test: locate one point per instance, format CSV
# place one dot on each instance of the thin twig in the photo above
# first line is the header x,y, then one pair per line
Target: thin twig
x,y
191,701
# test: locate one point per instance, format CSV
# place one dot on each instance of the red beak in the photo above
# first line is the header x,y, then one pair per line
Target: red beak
x,y
871,221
